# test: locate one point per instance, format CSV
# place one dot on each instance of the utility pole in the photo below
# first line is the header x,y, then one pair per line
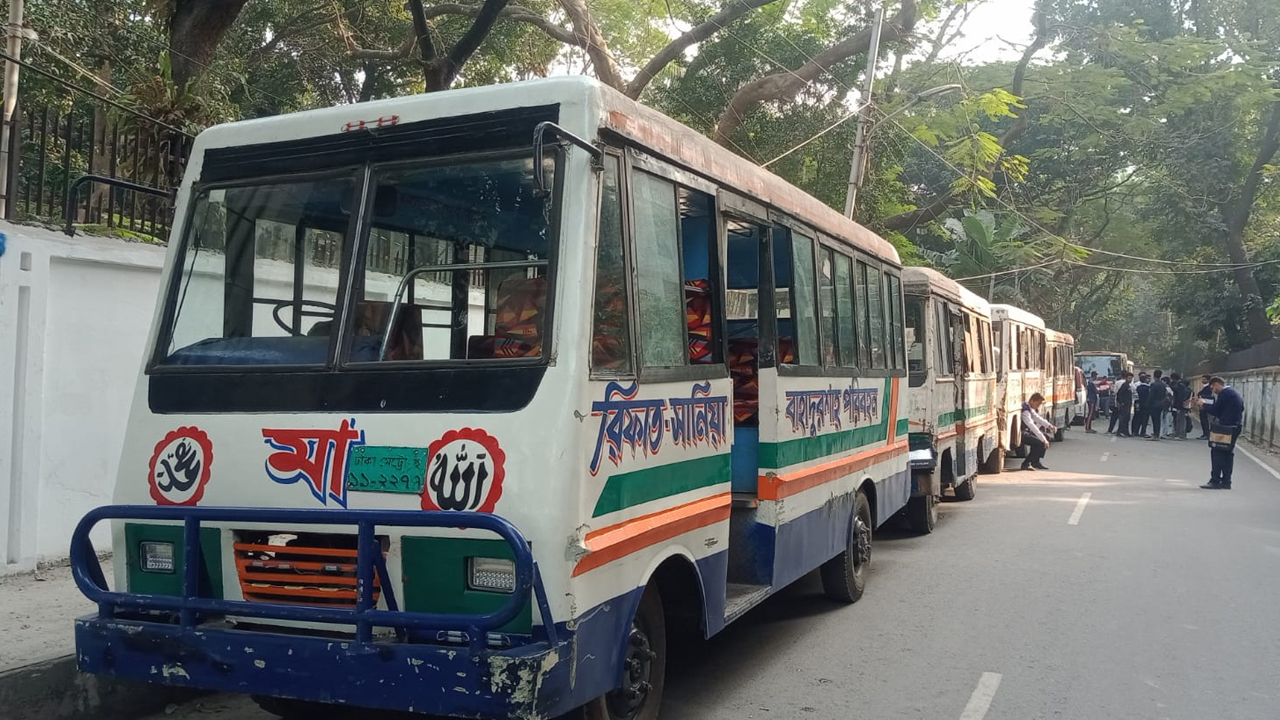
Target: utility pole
x,y
14,33
864,119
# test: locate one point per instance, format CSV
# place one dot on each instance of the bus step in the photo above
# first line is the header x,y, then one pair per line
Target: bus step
x,y
741,597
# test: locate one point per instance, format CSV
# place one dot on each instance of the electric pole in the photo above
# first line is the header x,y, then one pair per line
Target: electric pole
x,y
864,119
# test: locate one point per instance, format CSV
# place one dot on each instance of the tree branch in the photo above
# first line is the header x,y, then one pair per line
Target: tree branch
x,y
734,10
422,31
514,13
480,29
593,42
787,84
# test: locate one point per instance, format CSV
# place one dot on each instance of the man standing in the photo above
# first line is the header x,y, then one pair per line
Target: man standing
x,y
1124,405
1181,396
1141,412
1034,428
1228,413
1091,401
1205,397
1158,401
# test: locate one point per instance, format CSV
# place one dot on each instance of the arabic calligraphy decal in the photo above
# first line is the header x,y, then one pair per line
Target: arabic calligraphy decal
x,y
465,470
179,468
317,457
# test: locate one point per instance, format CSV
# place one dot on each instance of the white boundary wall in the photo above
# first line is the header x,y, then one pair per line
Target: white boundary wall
x,y
1260,389
74,318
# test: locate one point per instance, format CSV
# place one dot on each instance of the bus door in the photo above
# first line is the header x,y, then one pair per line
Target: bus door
x,y
751,352
961,345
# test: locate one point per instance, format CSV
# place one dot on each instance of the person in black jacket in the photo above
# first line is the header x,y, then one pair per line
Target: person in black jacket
x,y
1206,398
1228,413
1158,401
1140,412
1124,405
1181,396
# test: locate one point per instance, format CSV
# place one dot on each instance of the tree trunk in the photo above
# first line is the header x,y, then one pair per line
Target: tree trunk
x,y
195,30
1237,217
601,59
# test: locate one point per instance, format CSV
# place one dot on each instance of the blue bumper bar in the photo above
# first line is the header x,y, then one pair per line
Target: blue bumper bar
x,y
183,639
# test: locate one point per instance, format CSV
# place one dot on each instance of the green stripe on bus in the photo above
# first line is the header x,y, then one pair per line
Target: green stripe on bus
x,y
791,452
641,486
955,416
902,428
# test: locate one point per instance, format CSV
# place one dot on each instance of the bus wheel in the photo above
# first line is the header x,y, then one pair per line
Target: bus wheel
x,y
922,513
967,489
844,577
643,670
1060,435
300,709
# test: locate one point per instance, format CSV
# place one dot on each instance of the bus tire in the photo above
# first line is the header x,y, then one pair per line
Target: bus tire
x,y
995,462
290,709
844,577
644,669
1060,435
922,514
967,489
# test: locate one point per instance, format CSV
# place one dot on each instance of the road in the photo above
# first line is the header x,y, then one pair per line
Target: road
x,y
1159,601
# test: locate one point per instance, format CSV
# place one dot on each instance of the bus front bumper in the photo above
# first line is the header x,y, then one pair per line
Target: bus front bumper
x,y
519,682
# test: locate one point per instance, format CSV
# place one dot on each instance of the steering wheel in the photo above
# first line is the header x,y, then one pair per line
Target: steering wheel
x,y
329,308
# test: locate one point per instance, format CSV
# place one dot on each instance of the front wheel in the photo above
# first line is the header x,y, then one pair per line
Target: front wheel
x,y
922,513
844,577
995,462
639,696
967,490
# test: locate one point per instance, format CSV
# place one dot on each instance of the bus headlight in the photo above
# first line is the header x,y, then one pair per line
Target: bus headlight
x,y
491,575
157,557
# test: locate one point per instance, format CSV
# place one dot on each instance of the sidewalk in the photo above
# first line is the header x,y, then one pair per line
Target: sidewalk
x,y
38,675
37,612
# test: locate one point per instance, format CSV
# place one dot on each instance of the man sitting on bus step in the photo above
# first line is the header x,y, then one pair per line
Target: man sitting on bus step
x,y
1034,429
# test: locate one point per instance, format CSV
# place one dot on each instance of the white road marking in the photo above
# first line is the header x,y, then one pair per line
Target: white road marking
x,y
1104,457
980,700
1274,473
1075,516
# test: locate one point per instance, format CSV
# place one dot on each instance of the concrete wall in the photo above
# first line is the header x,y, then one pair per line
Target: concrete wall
x,y
74,316
1261,391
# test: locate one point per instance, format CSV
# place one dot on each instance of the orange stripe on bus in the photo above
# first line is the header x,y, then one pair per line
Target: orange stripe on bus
x,y
617,541
776,487
893,410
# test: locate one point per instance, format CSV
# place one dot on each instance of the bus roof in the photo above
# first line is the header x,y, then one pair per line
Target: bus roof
x,y
1055,336
1017,314
1101,352
921,279
586,107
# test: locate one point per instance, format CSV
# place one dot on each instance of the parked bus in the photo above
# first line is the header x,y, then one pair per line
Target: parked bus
x,y
1063,401
1020,352
1110,365
458,403
951,373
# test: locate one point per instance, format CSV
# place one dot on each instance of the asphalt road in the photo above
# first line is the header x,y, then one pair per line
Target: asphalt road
x,y
1159,601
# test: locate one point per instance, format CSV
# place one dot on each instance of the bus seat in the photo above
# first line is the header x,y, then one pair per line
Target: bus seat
x,y
517,324
743,365
697,300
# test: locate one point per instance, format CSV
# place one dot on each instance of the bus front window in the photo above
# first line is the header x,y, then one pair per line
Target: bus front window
x,y
916,340
259,277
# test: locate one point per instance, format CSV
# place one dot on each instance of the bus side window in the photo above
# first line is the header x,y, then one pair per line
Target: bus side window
x,y
795,298
864,320
611,333
916,336
698,248
945,340
660,290
845,311
893,320
827,304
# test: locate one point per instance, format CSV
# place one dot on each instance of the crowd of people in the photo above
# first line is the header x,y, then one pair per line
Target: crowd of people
x,y
1163,404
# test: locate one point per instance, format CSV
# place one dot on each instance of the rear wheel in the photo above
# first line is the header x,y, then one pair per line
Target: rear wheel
x,y
643,670
967,489
1060,435
844,577
922,513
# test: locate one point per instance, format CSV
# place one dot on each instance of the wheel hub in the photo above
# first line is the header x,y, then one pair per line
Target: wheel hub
x,y
861,542
628,700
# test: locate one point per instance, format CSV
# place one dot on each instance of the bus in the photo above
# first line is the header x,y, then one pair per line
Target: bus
x,y
1109,365
952,392
1064,400
1020,361
472,403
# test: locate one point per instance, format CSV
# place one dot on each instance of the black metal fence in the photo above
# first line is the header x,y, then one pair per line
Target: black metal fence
x,y
53,145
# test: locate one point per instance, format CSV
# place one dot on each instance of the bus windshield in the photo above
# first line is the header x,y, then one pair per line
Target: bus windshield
x,y
442,261
1108,366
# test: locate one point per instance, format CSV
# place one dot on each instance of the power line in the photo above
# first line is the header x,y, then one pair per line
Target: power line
x,y
90,93
1045,264
819,134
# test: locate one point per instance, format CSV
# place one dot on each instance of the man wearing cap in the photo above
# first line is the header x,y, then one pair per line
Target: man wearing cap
x,y
1228,417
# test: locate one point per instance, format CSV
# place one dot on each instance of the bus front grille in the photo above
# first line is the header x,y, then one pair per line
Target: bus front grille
x,y
299,569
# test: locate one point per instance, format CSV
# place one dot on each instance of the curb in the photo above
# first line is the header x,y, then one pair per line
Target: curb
x,y
57,690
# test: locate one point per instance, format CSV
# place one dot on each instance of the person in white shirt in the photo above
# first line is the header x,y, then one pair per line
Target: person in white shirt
x,y
1035,432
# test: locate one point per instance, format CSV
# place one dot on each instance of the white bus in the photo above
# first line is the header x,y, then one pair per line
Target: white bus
x,y
459,403
1020,352
1064,398
952,396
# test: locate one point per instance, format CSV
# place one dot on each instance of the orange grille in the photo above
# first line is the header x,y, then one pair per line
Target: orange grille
x,y
299,574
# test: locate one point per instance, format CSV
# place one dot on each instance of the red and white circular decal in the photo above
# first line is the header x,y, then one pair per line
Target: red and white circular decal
x,y
179,467
464,472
